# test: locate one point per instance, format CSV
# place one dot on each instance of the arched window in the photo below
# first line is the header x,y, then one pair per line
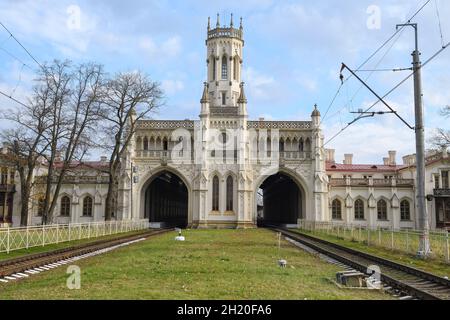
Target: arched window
x,y
87,206
215,195
224,68
382,210
213,67
165,145
230,193
301,145
308,145
146,143
236,63
4,178
224,140
359,210
281,145
336,209
405,211
65,206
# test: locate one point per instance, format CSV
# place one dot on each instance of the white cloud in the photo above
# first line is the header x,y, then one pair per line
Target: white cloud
x,y
171,87
37,22
172,46
258,83
308,83
167,49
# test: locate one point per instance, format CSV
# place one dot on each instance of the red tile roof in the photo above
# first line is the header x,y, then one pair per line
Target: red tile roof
x,y
361,167
85,165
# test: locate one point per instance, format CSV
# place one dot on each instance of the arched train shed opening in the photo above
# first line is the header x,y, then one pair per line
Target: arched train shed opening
x,y
279,201
167,201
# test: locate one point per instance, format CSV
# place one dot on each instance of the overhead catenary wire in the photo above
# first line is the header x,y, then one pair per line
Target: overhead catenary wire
x,y
16,58
23,47
377,64
397,32
389,92
13,99
384,70
393,35
439,22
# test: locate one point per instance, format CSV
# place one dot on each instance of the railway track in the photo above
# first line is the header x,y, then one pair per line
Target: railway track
x,y
22,267
410,281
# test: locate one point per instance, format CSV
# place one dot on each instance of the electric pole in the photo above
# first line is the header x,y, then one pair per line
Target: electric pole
x,y
424,244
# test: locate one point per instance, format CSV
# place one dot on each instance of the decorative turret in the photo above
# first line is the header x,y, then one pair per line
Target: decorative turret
x,y
224,58
205,101
242,97
315,116
242,101
316,112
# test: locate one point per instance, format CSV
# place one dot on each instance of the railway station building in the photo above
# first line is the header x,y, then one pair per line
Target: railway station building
x,y
224,170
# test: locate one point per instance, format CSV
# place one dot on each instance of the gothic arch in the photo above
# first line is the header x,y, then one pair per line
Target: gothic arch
x,y
306,194
236,68
148,178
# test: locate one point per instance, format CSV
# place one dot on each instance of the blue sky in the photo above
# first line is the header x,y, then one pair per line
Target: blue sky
x,y
292,56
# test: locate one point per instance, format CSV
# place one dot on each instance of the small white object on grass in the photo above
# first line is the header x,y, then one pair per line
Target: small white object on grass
x,y
282,263
180,237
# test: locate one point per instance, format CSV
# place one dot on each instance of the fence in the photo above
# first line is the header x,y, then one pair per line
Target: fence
x,y
28,237
405,241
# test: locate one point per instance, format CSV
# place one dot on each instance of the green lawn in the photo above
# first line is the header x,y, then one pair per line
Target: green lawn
x,y
211,264
61,245
434,266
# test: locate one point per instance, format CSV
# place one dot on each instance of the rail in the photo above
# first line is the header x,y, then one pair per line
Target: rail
x,y
34,236
400,240
409,280
17,268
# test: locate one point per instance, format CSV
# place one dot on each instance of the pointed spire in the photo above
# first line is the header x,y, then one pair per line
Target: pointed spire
x,y
205,96
242,97
241,26
231,23
209,23
218,21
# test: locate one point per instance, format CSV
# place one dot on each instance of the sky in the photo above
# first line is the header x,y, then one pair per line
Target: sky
x,y
292,57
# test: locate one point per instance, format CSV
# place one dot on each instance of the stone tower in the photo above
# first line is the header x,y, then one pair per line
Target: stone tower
x,y
224,61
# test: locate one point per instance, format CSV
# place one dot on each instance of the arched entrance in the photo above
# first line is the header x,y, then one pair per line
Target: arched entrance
x,y
167,201
279,201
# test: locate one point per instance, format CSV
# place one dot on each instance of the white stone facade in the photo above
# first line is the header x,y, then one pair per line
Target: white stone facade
x,y
254,151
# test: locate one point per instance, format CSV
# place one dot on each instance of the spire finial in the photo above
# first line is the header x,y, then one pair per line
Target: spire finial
x,y
205,96
241,26
316,112
209,23
218,21
231,23
242,97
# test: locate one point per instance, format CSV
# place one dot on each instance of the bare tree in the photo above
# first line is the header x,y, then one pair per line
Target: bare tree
x,y
128,98
441,140
27,143
74,112
57,127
